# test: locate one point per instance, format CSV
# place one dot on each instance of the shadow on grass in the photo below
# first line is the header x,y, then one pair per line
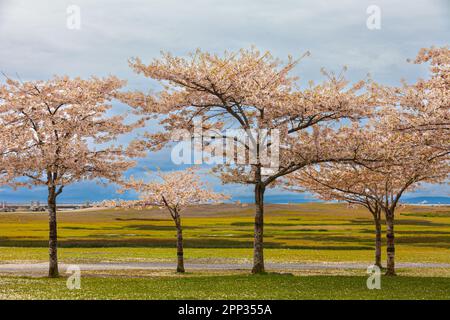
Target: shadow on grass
x,y
402,222
443,214
411,232
156,227
251,224
141,219
167,243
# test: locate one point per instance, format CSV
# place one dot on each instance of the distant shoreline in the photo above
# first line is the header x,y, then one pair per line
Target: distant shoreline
x,y
269,198
304,201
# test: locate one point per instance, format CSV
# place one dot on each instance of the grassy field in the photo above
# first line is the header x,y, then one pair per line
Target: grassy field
x,y
272,286
293,233
223,233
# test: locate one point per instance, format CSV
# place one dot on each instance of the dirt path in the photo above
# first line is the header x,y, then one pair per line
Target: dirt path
x,y
29,268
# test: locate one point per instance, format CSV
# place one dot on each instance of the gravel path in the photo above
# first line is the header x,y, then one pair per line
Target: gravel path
x,y
25,268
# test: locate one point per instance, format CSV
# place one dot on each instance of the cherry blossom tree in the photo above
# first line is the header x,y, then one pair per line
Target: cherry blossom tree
x,y
57,132
175,191
400,162
254,92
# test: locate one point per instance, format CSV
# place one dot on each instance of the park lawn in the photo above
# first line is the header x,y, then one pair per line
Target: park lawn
x,y
313,232
270,286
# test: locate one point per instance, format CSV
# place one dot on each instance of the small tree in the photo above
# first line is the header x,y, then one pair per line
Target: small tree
x,y
254,92
175,192
57,133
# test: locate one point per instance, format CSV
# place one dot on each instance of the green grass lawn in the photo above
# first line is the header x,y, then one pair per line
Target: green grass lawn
x,y
272,286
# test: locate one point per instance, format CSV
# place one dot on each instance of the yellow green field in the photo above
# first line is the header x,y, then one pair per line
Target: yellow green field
x,y
329,234
293,233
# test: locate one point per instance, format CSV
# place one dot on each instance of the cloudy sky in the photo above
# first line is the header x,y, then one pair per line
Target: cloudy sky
x,y
35,43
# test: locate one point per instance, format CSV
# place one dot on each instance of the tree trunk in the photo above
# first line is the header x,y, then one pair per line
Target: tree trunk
x,y
390,244
378,242
258,245
53,236
180,258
